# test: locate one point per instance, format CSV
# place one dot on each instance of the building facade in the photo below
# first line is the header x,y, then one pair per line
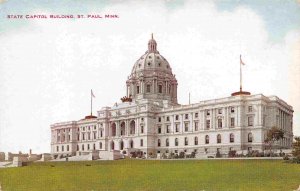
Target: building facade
x,y
149,119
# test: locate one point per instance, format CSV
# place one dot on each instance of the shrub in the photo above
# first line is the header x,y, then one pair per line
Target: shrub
x,y
181,155
232,153
193,155
286,157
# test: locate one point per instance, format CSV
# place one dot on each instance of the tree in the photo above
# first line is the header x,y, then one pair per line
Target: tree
x,y
273,134
296,148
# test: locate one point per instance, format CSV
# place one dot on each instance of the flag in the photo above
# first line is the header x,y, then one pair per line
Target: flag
x,y
241,61
92,94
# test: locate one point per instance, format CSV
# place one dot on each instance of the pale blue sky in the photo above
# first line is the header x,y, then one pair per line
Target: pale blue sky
x,y
280,16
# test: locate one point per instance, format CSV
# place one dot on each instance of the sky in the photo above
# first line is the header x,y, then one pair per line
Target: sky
x,y
48,66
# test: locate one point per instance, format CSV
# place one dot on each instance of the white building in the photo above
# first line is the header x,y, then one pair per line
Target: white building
x,y
150,120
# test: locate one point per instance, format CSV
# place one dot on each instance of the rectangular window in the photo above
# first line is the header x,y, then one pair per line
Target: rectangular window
x,y
177,127
250,108
232,109
142,129
232,122
137,89
168,128
101,133
196,126
219,123
148,88
250,121
207,124
142,142
176,117
159,119
186,116
196,115
207,112
220,111
159,130
186,127
159,88
95,135
168,119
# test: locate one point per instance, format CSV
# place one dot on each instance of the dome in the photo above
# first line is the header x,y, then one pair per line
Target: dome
x,y
151,61
151,77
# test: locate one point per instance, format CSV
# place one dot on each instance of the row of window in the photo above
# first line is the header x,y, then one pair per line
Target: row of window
x,y
220,111
219,140
176,142
82,147
87,128
148,89
208,125
196,126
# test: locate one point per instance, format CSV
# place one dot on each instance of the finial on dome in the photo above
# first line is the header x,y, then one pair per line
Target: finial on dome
x,y
152,44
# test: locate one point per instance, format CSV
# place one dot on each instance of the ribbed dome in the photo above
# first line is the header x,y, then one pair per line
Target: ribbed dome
x,y
151,61
151,78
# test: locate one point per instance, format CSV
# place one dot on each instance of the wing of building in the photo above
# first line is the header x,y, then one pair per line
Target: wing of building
x,y
149,119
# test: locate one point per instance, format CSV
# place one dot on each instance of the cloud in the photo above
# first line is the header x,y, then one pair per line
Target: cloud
x,y
49,66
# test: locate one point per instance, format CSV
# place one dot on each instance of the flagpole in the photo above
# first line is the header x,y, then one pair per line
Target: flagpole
x,y
91,104
241,89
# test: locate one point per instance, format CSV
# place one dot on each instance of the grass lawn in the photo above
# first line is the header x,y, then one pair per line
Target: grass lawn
x,y
153,175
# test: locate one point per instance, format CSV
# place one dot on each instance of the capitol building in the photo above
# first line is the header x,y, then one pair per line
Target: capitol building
x,y
150,120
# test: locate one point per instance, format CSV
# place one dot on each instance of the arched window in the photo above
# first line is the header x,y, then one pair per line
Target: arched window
x,y
132,127
88,147
186,141
112,144
158,142
219,138
196,140
176,141
123,128
113,129
231,137
57,148
206,139
250,138
167,142
94,146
